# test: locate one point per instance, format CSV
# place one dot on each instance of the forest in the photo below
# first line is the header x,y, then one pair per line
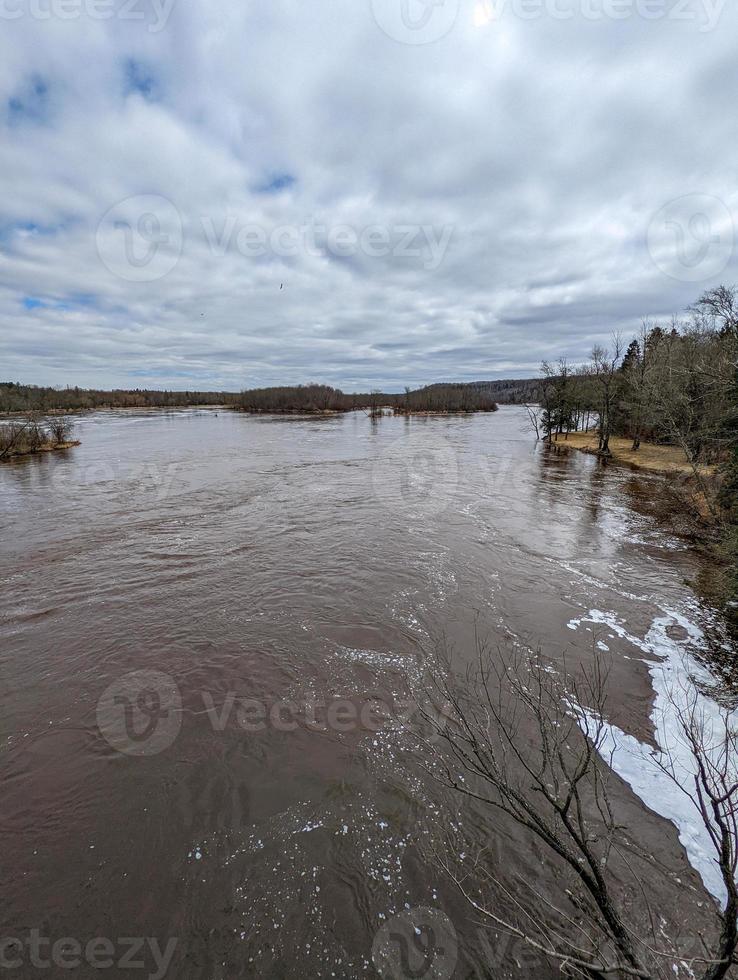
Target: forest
x,y
508,391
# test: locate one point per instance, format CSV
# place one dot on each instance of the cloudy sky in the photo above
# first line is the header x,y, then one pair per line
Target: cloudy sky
x,y
367,192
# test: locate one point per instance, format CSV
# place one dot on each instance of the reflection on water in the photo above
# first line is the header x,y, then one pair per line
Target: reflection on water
x,y
187,596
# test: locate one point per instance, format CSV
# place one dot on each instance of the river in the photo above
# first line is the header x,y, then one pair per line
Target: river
x,y
243,570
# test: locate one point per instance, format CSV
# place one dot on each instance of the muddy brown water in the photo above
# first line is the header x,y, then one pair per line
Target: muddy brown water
x,y
199,613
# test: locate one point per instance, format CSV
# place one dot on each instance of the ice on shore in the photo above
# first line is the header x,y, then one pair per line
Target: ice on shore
x,y
679,682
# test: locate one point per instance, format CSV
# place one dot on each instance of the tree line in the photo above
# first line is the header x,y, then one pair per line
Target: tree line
x,y
302,399
20,398
507,391
316,398
444,398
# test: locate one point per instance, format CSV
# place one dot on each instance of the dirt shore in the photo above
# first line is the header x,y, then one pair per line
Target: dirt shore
x,y
658,459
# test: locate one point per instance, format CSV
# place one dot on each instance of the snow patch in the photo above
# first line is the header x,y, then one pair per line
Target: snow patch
x,y
675,672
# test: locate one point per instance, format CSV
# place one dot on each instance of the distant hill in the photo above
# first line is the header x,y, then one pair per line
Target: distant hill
x,y
512,391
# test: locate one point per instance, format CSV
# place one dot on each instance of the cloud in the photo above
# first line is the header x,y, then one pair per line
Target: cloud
x,y
347,207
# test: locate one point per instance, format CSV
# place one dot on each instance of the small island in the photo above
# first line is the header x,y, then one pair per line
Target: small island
x,y
31,437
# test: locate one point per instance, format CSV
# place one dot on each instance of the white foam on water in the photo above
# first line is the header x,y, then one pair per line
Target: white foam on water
x,y
679,681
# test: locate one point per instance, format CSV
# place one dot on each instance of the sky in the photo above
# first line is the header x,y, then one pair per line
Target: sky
x,y
369,193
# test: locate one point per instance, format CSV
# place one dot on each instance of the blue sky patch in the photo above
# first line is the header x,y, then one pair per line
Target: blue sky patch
x,y
66,304
277,183
140,79
30,103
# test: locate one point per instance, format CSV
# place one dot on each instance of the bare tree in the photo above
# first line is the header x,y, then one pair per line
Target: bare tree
x,y
60,430
604,370
375,409
549,399
27,436
712,788
721,303
11,436
533,420
529,744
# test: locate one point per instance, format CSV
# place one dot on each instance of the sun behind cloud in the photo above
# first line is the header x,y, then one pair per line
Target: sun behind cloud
x,y
483,13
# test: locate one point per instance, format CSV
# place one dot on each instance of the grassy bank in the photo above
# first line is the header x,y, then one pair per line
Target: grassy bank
x,y
657,459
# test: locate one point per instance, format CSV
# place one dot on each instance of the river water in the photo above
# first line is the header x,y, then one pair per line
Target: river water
x,y
186,595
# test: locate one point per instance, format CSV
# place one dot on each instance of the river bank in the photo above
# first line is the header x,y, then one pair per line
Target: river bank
x,y
656,459
689,504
